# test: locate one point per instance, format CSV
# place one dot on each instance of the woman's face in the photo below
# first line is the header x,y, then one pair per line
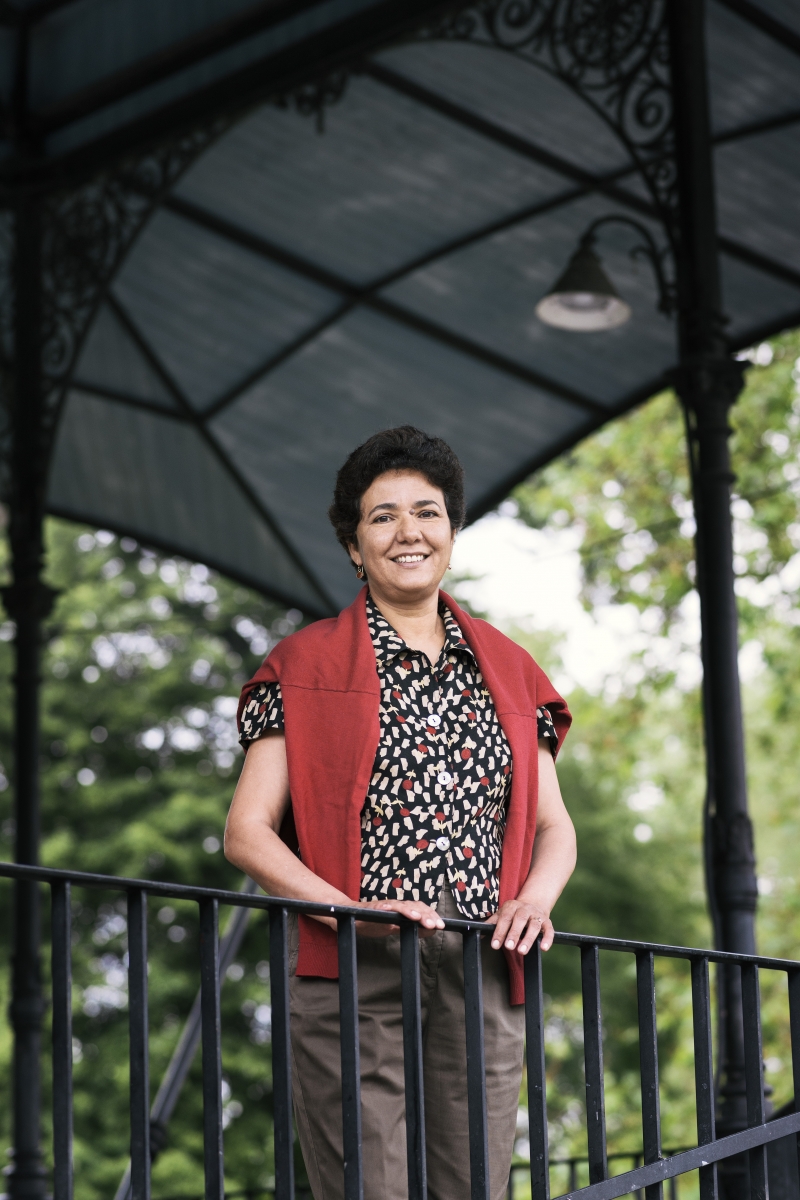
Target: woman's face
x,y
404,538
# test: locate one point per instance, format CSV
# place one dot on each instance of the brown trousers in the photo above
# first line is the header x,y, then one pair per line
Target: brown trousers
x,y
316,1068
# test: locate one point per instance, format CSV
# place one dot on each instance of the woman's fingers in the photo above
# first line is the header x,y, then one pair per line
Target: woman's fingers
x,y
427,917
518,926
548,933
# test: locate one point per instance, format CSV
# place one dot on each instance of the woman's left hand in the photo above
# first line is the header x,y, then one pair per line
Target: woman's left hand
x,y
518,926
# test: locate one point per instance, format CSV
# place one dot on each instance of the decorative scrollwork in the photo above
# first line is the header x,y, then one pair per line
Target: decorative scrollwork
x,y
612,53
86,233
314,99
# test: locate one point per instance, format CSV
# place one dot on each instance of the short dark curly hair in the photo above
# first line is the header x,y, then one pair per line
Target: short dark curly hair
x,y
404,448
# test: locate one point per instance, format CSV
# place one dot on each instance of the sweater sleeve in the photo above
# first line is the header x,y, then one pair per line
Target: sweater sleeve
x,y
262,712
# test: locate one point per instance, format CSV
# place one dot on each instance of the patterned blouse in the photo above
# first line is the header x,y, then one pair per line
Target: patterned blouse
x,y
436,804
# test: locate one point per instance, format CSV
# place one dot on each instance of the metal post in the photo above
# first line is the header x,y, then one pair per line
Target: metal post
x,y
709,381
27,600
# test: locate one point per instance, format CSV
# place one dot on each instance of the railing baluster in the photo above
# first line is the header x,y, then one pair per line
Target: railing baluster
x,y
754,1076
648,1065
593,1059
281,1055
537,1082
412,1061
704,1072
61,932
351,1061
140,1069
794,1025
211,1036
476,1068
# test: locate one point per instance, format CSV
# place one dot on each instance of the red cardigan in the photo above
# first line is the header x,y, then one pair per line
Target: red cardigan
x,y
331,695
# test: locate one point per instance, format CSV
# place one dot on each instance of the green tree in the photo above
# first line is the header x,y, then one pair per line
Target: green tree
x,y
144,660
627,490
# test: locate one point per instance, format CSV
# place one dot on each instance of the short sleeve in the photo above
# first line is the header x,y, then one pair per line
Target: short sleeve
x,y
262,712
546,729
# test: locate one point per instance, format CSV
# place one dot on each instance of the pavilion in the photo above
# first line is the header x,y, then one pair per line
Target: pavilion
x,y
237,237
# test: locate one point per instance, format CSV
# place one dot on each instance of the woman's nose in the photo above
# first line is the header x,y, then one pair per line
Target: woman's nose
x,y
407,530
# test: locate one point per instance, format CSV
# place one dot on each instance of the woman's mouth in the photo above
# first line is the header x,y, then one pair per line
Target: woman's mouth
x,y
409,559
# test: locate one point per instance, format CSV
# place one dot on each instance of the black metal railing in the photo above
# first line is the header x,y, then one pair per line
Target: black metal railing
x,y
656,1167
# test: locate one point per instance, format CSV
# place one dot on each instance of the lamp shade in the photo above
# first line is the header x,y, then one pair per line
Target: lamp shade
x,y
584,298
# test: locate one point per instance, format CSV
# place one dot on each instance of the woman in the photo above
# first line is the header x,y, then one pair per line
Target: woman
x,y
401,756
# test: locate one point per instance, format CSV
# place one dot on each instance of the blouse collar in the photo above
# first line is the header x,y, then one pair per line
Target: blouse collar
x,y
387,641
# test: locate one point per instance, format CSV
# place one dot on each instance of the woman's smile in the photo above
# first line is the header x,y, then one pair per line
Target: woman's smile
x,y
409,560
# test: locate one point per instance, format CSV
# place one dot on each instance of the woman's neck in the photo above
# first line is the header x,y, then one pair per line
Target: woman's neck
x,y
417,622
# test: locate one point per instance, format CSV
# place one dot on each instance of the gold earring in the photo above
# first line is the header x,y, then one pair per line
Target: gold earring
x,y
360,572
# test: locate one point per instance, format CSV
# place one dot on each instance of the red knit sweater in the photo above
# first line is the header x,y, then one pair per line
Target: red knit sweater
x,y
329,682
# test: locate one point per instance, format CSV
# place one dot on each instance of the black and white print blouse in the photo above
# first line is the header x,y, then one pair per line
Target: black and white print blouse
x,y
436,804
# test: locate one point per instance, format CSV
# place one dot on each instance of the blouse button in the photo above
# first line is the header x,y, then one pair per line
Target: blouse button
x,y
444,778
443,843
434,719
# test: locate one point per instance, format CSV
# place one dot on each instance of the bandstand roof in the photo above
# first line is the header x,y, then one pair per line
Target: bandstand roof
x,y
298,288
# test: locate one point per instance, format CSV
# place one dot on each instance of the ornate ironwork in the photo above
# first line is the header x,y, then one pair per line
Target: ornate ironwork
x,y
658,256
314,99
614,54
86,234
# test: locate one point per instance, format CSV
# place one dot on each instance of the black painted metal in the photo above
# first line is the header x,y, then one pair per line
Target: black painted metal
x,y
704,1071
648,1064
649,1177
61,937
211,1025
476,1068
351,1060
281,1054
412,1061
183,1055
708,383
754,1077
140,1067
537,1079
794,1026
593,1060
179,891
690,1160
27,602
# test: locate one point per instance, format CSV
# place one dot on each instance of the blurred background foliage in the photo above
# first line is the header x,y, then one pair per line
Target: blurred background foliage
x,y
144,659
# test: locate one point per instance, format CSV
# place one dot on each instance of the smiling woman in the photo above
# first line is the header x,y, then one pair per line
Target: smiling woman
x,y
402,757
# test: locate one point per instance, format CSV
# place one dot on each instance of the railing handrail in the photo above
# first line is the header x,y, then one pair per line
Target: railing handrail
x,y
181,891
655,1169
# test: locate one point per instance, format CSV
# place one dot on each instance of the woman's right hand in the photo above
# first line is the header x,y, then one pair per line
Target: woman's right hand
x,y
427,918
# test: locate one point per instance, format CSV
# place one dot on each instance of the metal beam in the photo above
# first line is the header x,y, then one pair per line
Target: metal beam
x,y
315,57
709,382
367,298
760,19
28,601
217,450
130,401
180,56
489,500
524,147
754,128
604,185
192,553
753,258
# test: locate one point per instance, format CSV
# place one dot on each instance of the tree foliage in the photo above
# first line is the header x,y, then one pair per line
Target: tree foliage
x,y
144,658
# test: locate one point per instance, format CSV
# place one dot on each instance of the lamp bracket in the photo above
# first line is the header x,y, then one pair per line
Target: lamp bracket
x,y
647,248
